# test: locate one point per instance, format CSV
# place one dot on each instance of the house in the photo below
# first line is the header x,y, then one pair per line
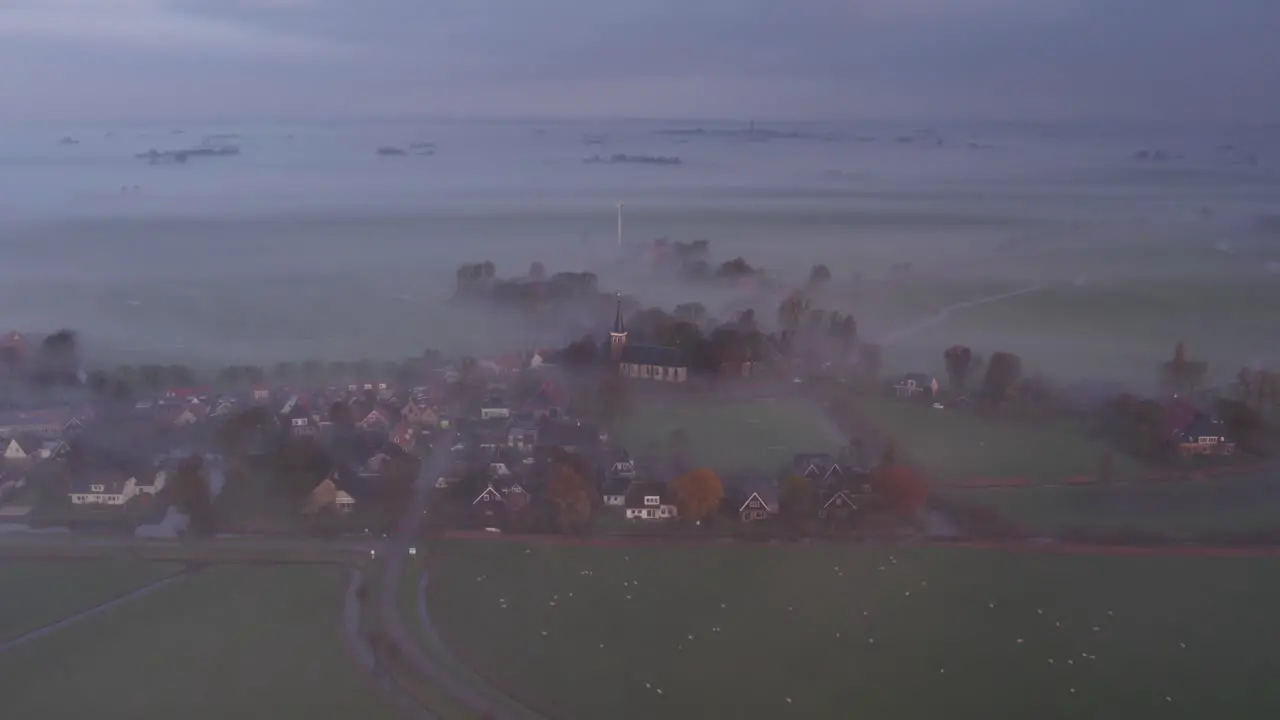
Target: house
x,y
758,501
114,489
818,467
298,419
489,507
614,492
522,434
494,408
1203,436
841,497
649,500
48,423
621,465
260,394
916,385
404,436
23,449
378,420
54,450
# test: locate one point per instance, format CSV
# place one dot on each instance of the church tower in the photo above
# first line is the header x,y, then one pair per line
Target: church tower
x,y
618,336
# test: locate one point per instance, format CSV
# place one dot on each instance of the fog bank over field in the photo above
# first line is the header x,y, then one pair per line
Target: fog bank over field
x,y
310,244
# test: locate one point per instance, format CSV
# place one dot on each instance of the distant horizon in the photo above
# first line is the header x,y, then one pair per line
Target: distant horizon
x,y
518,118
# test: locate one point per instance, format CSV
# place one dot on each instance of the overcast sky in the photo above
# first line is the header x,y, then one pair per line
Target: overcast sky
x,y
1187,60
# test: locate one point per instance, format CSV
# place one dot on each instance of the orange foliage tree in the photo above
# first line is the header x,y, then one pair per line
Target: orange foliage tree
x,y
568,491
698,493
902,488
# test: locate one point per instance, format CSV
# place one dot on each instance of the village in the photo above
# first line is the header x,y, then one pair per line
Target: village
x,y
506,444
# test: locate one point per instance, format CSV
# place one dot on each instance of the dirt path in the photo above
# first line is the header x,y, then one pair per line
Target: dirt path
x,y
364,656
945,313
86,614
438,666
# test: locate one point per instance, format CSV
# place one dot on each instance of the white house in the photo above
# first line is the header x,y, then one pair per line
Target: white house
x,y
649,501
19,451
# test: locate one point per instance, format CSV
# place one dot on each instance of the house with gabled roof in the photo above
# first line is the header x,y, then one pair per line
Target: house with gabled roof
x,y
842,498
378,420
757,501
649,500
22,449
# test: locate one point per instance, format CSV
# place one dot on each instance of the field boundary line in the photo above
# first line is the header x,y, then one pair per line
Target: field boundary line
x,y
94,611
1031,545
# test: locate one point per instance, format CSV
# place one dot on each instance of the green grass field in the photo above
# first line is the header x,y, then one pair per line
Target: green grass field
x,y
956,445
227,642
830,631
732,435
1183,509
35,593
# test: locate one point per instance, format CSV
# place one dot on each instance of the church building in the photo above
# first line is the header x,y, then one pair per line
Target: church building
x,y
644,362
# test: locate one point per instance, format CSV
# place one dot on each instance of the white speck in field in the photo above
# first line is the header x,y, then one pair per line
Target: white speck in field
x,y
837,634
871,641
1110,613
602,645
690,637
991,604
648,685
864,612
553,602
544,632
788,700
1071,662
1019,641
659,691
628,597
1096,628
723,605
570,594
1057,624
1039,611
1050,661
908,593
924,583
1073,690
881,567
1168,699
1182,645
789,608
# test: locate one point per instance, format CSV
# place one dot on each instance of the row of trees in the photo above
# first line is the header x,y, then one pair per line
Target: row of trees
x,y
55,362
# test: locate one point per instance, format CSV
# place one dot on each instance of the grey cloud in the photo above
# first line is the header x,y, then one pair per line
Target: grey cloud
x,y
1185,58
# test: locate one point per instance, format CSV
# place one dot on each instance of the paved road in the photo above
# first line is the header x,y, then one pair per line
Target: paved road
x,y
449,674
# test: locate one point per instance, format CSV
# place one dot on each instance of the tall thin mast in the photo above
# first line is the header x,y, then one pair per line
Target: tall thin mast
x,y
619,225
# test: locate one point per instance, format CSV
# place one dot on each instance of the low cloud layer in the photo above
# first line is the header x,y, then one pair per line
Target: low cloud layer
x,y
1185,60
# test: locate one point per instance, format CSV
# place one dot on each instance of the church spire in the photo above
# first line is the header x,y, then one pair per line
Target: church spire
x,y
618,337
618,327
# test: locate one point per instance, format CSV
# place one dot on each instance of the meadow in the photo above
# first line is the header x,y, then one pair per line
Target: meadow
x,y
831,631
227,641
1237,504
35,593
729,435
955,445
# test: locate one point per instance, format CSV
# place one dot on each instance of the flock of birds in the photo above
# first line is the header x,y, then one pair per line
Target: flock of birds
x,y
1019,644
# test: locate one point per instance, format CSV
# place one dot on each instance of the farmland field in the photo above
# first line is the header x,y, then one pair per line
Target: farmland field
x,y
830,631
730,435
1182,509
957,445
226,642
35,593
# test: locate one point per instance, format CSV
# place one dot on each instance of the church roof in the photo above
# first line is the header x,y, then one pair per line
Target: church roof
x,y
652,355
